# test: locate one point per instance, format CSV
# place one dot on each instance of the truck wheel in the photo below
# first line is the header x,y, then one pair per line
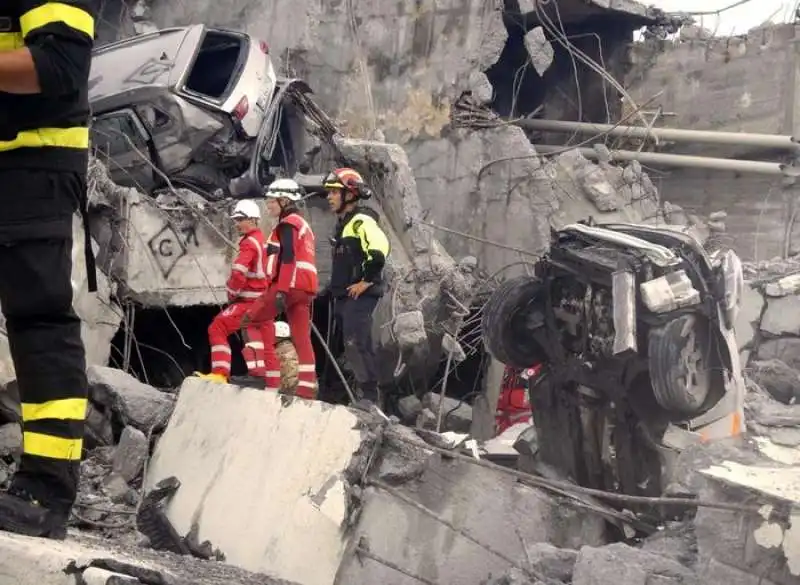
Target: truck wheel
x,y
680,356
203,179
509,319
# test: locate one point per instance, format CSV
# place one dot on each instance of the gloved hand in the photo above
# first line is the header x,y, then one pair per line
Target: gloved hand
x,y
280,302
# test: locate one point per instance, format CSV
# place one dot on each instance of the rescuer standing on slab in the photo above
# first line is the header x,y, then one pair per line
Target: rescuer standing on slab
x,y
247,282
293,284
360,249
45,56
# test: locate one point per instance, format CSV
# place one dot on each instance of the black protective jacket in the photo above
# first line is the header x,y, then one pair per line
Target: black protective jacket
x,y
360,248
49,130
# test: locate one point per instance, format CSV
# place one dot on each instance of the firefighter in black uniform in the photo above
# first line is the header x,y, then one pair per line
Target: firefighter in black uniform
x,y
45,54
360,249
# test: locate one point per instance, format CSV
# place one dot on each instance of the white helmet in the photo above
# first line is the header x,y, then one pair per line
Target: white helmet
x,y
285,188
246,209
282,330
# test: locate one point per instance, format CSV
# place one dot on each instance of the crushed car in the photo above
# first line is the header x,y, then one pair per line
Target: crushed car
x,y
200,108
633,327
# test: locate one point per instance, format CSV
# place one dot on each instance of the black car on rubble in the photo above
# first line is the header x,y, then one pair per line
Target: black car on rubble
x,y
196,107
634,326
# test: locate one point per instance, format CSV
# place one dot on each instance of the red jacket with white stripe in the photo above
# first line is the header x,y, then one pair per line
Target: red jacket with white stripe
x,y
291,255
248,279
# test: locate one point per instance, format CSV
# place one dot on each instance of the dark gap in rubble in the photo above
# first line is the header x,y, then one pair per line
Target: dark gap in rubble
x,y
465,379
568,89
162,335
518,88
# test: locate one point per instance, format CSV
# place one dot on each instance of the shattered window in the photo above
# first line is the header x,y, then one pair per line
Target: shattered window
x,y
152,117
115,135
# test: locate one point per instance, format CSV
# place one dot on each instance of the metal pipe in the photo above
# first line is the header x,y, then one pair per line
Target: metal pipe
x,y
680,160
670,134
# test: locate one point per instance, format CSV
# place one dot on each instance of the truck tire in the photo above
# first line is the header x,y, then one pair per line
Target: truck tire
x,y
509,319
203,179
680,358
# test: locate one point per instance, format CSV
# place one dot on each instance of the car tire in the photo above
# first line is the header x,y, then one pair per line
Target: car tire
x,y
204,179
509,319
680,360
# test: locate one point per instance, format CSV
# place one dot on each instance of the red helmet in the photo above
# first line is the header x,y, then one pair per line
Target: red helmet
x,y
344,178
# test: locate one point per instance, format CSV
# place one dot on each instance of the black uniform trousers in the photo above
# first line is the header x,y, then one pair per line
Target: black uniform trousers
x,y
43,330
355,317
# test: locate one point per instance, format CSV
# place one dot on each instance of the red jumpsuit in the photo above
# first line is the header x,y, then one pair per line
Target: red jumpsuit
x,y
291,270
513,405
247,282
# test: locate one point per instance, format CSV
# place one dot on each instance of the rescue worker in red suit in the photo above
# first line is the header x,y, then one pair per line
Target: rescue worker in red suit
x,y
247,282
293,284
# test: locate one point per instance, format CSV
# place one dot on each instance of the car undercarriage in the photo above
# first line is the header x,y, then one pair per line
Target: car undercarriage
x,y
632,325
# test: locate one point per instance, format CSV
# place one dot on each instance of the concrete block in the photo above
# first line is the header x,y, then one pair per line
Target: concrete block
x,y
747,321
625,565
782,316
765,544
136,404
130,454
788,285
35,561
265,479
716,572
787,350
492,507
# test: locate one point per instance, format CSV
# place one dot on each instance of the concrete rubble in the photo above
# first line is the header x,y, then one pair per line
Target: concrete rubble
x,y
286,491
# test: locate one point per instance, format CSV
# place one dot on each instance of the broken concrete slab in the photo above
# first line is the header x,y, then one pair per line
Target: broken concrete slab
x,y
766,543
782,316
777,378
10,439
35,561
264,478
788,285
552,562
130,454
457,415
749,317
786,349
493,508
624,565
131,401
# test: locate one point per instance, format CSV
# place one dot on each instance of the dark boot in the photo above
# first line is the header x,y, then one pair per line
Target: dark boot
x,y
21,514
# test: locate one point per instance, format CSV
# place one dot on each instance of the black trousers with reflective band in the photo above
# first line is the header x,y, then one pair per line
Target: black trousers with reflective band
x,y
43,330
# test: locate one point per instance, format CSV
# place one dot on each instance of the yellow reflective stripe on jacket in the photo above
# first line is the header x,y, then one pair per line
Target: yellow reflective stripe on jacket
x,y
51,447
66,409
50,12
367,230
77,137
10,41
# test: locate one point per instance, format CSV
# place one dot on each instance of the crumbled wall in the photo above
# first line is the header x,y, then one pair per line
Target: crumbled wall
x,y
768,335
721,84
